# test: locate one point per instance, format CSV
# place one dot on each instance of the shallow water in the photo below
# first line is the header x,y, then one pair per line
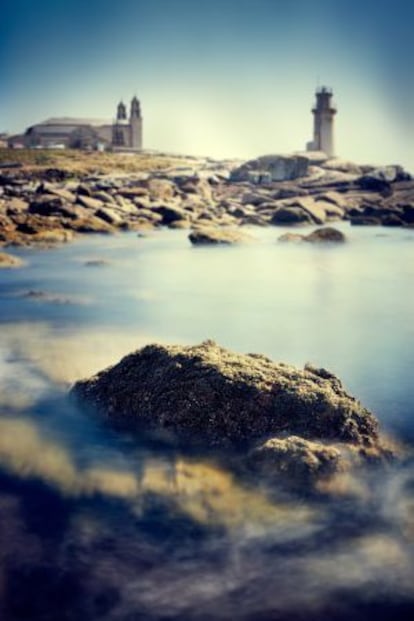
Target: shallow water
x,y
98,525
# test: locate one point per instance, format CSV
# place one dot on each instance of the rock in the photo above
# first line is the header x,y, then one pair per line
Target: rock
x,y
151,215
50,298
109,215
214,397
335,198
161,189
64,194
16,205
408,213
83,190
213,236
96,263
326,234
170,213
30,224
392,219
255,198
52,236
342,166
271,168
314,208
46,204
134,192
104,196
90,224
365,221
291,237
8,261
180,224
380,179
89,202
254,220
300,460
290,192
291,216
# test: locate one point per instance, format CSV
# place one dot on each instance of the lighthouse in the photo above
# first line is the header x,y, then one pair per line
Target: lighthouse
x,y
323,123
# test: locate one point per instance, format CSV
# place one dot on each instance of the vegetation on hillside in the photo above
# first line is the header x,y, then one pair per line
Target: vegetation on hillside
x,y
84,162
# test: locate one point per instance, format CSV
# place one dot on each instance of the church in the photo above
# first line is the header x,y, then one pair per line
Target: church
x,y
122,134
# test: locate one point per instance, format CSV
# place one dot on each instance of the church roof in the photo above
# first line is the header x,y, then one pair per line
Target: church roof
x,y
67,120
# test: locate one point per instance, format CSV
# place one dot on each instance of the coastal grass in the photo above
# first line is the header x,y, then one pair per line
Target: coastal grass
x,y
90,162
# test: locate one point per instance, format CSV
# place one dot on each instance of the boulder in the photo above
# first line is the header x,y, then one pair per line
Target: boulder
x,y
291,237
16,205
52,236
8,261
170,213
64,194
326,234
316,209
89,202
104,196
161,189
133,192
46,205
342,166
90,224
289,192
214,397
379,179
392,219
365,220
292,216
334,198
255,198
213,236
180,224
408,213
271,168
109,215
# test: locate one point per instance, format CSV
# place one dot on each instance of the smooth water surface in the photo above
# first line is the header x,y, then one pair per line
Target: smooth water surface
x,y
99,525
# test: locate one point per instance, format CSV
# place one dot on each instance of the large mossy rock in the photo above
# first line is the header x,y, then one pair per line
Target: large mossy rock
x,y
219,398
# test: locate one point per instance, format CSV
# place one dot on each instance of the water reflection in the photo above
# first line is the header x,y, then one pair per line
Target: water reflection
x,y
95,525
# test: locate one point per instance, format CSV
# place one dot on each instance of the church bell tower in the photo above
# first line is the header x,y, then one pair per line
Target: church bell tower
x,y
135,122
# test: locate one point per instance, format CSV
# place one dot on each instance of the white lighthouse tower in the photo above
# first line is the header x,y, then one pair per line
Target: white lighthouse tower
x,y
323,123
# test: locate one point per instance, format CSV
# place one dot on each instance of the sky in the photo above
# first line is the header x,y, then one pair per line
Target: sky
x,y
225,78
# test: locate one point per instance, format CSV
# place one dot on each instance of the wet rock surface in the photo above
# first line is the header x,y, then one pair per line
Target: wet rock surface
x,y
287,421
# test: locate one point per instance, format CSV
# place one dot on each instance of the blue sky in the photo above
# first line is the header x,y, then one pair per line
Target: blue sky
x,y
221,77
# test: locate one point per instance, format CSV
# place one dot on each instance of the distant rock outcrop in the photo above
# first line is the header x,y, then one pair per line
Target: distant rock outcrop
x,y
272,168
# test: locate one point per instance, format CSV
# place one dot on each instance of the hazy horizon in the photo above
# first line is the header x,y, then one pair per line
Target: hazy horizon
x,y
227,79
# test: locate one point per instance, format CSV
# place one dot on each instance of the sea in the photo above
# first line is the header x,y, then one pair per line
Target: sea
x,y
98,524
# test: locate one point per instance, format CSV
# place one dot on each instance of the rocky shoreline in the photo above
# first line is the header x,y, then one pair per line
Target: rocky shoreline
x,y
51,206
